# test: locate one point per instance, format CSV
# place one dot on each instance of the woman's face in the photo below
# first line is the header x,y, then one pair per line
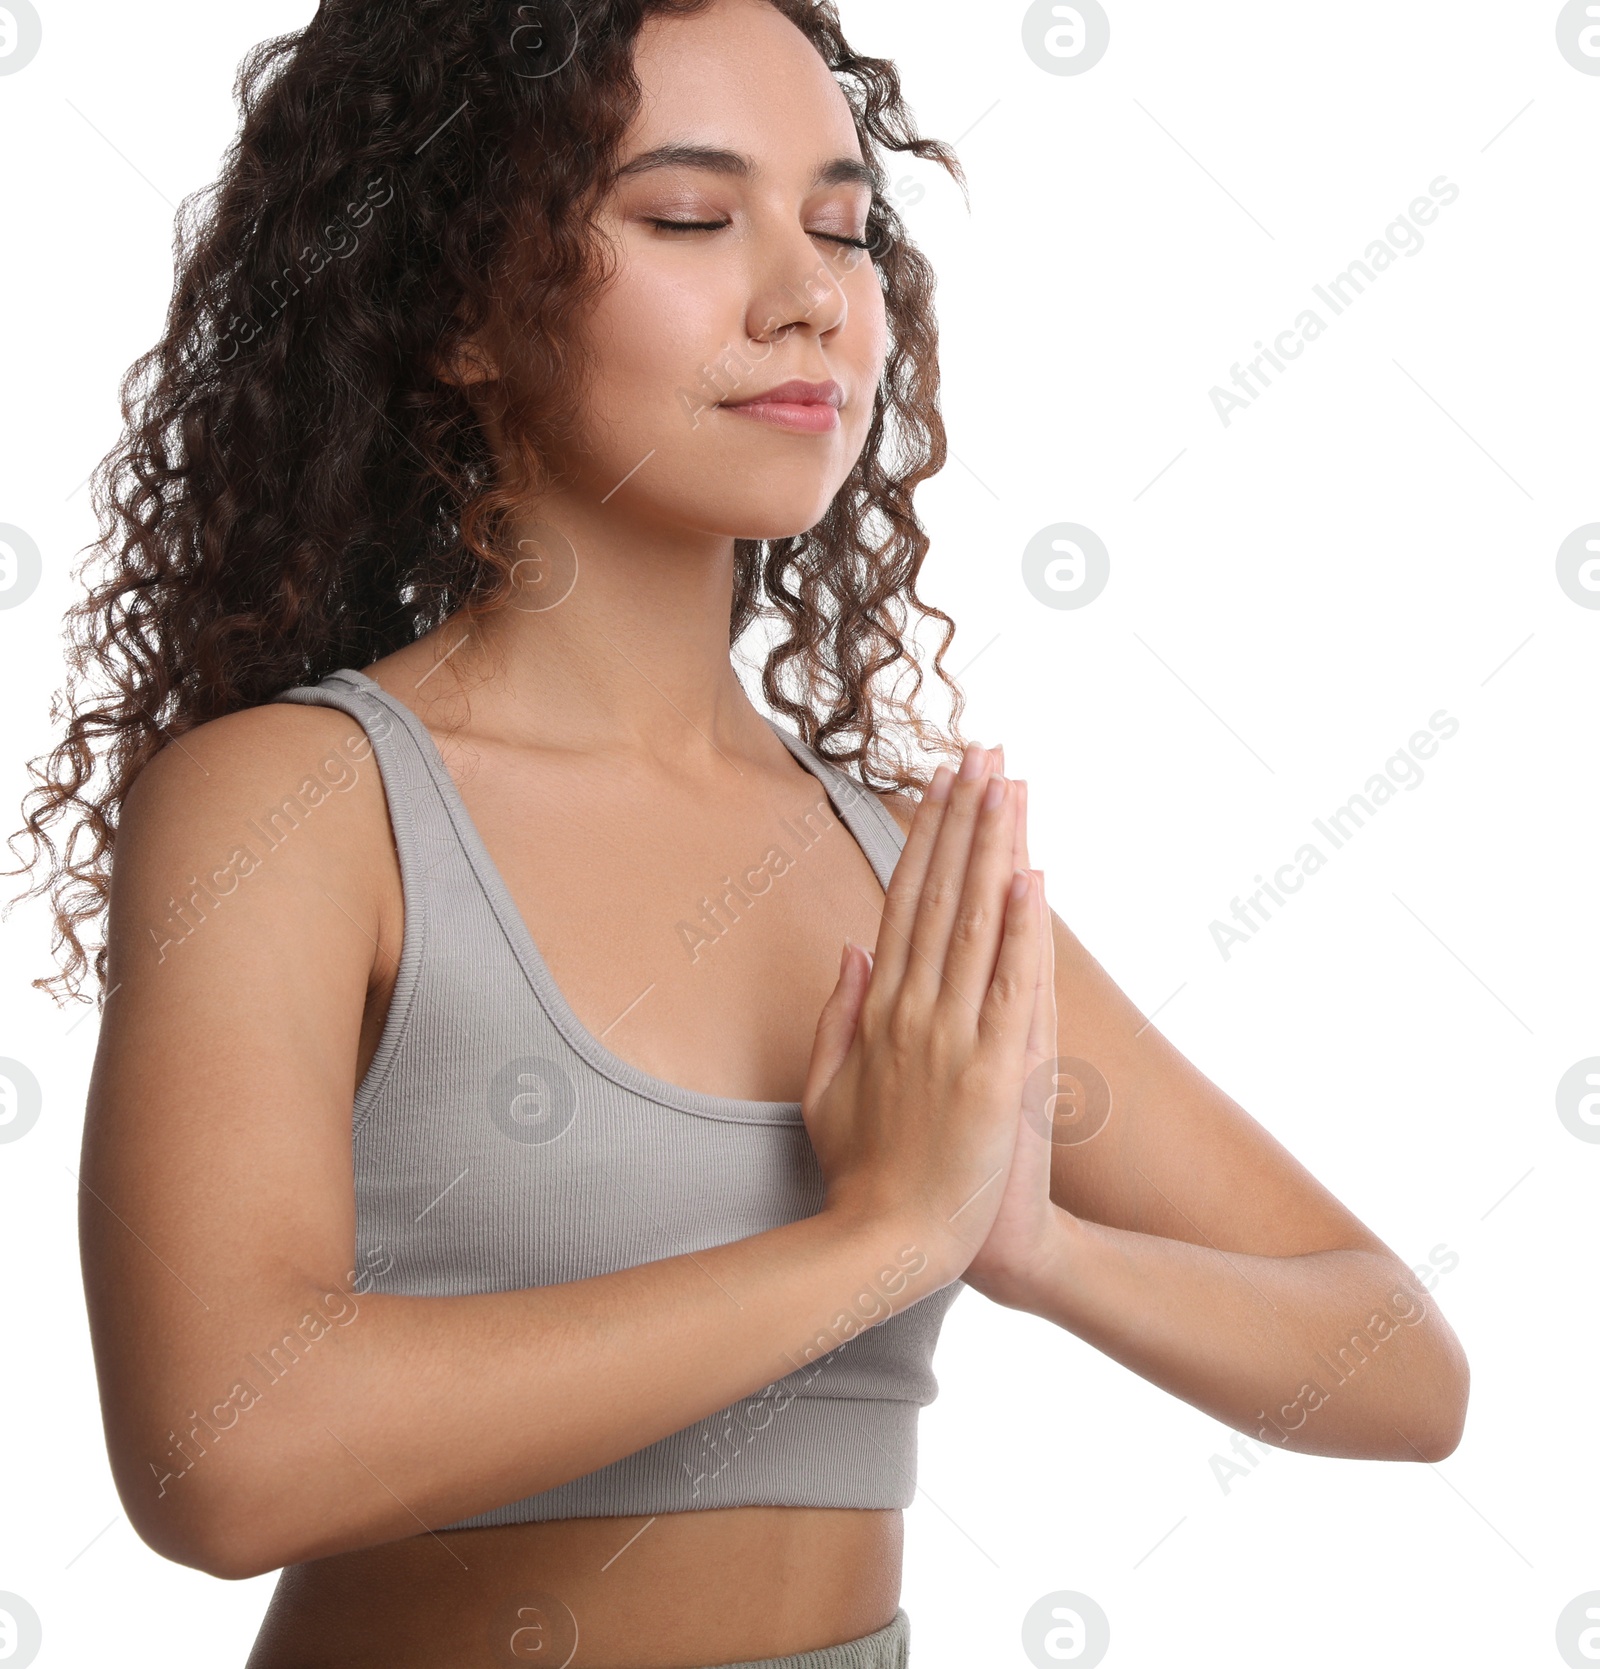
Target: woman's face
x,y
763,289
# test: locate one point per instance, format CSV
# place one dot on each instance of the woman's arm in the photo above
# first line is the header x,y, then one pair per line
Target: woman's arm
x,y
1187,1243
1194,1248
259,1409
1330,1353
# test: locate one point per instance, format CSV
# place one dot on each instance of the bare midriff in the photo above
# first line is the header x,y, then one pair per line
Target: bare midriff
x,y
677,1591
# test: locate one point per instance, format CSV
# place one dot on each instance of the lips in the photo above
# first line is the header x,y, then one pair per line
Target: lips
x,y
795,392
801,407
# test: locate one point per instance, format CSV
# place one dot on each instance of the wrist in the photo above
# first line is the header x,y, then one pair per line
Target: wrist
x,y
901,1255
1031,1282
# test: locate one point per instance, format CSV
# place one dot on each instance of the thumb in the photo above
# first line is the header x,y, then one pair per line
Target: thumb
x,y
836,1024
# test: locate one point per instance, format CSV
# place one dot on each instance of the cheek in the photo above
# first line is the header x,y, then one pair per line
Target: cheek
x,y
862,345
868,320
656,331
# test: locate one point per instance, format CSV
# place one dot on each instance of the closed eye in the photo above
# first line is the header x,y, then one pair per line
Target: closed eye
x,y
689,225
718,225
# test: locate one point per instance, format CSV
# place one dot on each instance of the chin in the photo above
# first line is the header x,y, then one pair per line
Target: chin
x,y
745,503
768,520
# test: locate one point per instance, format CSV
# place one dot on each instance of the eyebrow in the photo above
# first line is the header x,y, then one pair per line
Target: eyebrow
x,y
839,170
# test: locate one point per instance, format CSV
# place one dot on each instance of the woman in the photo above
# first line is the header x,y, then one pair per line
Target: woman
x,y
505,1210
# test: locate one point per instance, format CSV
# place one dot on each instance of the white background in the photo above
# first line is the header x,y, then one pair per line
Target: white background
x,y
1372,541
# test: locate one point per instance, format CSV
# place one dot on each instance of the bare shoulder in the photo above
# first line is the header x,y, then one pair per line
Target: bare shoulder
x,y
256,749
285,758
285,791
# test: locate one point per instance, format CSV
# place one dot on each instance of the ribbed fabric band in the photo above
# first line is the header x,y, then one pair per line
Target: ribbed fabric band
x,y
815,1451
886,1648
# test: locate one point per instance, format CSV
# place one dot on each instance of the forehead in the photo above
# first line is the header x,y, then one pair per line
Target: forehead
x,y
740,78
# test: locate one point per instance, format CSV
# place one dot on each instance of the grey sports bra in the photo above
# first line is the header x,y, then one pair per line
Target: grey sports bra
x,y
499,1145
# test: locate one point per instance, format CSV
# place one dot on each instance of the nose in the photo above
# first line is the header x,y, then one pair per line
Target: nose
x,y
795,285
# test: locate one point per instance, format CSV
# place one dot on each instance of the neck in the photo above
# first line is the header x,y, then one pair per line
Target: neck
x,y
615,641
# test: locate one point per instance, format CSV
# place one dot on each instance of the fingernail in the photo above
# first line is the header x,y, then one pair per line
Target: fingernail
x,y
972,763
844,956
939,787
994,793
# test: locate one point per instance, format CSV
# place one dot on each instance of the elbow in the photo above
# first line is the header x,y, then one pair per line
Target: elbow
x,y
230,1557
246,1515
1445,1438
215,1544
211,1528
1440,1443
1446,1416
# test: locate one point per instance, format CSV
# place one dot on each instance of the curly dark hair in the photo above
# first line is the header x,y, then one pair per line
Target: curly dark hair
x,y
296,489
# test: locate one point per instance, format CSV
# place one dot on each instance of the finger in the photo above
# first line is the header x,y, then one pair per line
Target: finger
x,y
1006,1013
1042,1044
836,1024
976,925
945,879
1046,930
905,886
1036,1146
920,957
1020,856
1045,935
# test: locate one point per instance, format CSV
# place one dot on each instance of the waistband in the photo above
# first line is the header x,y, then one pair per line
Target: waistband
x,y
886,1648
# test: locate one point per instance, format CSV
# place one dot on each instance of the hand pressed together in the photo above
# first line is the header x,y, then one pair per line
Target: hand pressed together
x,y
928,1050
